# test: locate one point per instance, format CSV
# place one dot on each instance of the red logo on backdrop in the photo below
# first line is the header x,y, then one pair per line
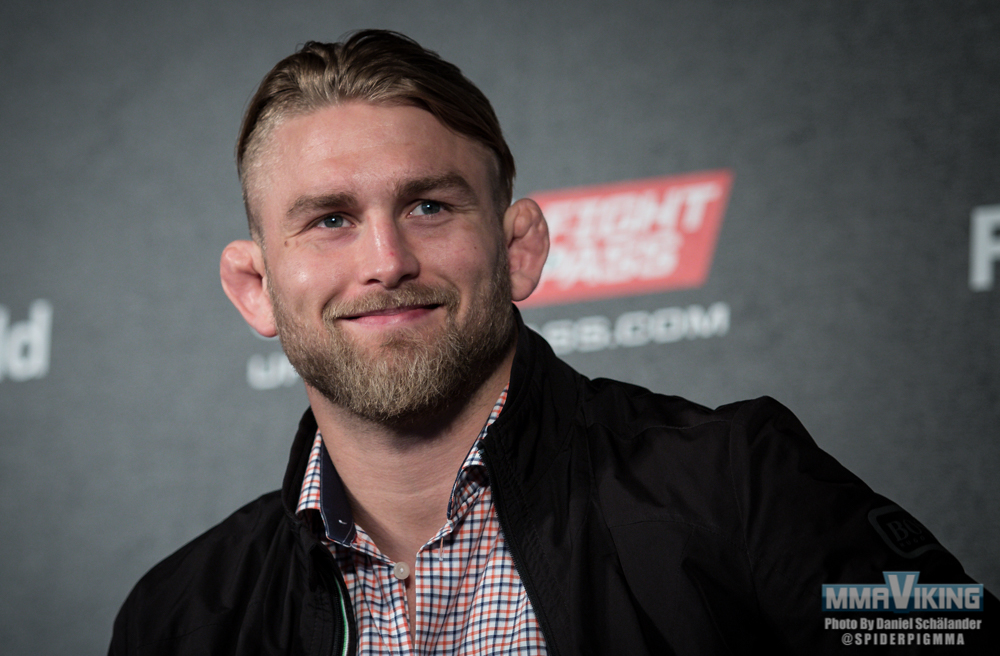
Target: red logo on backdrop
x,y
628,238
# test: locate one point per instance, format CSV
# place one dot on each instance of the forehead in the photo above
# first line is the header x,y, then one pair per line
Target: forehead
x,y
365,150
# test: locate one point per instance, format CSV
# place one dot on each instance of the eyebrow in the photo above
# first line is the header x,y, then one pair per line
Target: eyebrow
x,y
451,182
310,204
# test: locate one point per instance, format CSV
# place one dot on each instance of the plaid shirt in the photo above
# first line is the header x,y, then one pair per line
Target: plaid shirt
x,y
470,599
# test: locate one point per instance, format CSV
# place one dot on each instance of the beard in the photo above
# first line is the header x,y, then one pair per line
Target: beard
x,y
408,376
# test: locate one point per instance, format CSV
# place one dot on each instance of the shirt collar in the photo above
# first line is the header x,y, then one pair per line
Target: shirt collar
x,y
334,507
332,503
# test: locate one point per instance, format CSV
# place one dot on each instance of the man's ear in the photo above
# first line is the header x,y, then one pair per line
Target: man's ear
x,y
527,238
245,283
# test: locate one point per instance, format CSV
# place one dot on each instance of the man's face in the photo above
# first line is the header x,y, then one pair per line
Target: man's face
x,y
385,259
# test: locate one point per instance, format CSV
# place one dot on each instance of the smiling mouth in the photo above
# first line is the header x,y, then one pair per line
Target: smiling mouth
x,y
396,306
392,311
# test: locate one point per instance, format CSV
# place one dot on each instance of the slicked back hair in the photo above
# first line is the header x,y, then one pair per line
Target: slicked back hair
x,y
376,66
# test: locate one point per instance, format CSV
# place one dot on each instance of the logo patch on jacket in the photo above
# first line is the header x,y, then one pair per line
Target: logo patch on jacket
x,y
902,532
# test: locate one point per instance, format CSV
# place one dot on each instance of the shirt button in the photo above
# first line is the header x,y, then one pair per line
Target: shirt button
x,y
401,571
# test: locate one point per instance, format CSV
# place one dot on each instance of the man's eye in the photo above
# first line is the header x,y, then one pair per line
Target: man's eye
x,y
427,207
334,221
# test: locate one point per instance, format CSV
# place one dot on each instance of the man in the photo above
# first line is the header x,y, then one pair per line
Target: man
x,y
455,488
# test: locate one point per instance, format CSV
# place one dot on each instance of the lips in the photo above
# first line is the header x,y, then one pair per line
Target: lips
x,y
392,311
383,303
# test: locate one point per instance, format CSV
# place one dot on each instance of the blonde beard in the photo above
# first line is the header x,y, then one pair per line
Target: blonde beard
x,y
407,377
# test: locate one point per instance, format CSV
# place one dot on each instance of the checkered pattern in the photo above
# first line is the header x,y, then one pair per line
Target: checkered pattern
x,y
470,599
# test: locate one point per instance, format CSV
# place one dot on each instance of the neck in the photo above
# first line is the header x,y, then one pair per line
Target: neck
x,y
398,478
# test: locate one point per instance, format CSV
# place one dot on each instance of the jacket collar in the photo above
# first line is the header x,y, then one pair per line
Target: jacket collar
x,y
542,403
295,472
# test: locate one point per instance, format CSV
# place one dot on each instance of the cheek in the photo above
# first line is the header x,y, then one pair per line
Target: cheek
x,y
463,262
304,283
475,270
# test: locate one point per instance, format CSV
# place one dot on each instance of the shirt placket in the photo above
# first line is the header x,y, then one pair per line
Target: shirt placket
x,y
383,596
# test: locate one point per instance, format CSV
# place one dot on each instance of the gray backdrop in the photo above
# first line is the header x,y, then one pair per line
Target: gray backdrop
x,y
862,137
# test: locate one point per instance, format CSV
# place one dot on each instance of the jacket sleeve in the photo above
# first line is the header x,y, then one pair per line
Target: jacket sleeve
x,y
119,646
808,521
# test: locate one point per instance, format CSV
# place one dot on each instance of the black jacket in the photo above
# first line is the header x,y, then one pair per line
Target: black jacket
x,y
639,524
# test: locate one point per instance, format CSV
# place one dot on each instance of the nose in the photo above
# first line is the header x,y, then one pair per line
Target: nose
x,y
387,258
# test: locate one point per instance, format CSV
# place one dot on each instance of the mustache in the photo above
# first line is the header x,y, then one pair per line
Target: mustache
x,y
413,294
